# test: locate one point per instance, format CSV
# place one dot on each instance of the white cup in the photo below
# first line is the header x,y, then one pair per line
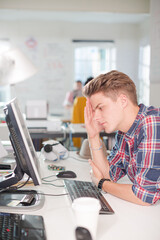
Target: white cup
x,y
86,211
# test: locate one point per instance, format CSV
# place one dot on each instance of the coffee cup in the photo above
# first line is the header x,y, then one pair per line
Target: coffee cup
x,y
86,210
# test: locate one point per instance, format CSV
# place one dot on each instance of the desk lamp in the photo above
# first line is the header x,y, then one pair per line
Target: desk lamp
x,y
15,67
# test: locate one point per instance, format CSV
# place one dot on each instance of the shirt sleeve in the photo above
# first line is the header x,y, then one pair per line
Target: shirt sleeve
x,y
68,99
147,180
117,170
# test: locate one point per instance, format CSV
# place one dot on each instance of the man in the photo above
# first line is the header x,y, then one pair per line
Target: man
x,y
112,106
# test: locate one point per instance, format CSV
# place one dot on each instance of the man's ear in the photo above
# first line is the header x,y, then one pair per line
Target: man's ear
x,y
123,100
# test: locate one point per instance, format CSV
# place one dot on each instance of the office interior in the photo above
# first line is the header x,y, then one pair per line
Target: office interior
x,y
46,34
45,31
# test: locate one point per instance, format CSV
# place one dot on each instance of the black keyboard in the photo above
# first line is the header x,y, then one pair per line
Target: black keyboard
x,y
78,189
21,226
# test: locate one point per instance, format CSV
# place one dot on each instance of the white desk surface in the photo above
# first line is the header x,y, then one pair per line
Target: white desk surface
x,y
129,222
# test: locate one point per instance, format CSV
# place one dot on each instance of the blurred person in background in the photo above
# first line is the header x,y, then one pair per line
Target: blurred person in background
x,y
71,95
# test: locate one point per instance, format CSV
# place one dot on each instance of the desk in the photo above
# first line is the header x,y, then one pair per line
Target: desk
x,y
72,130
130,221
76,130
44,133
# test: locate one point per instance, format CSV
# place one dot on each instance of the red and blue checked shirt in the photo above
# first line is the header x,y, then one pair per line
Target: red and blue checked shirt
x,y
137,154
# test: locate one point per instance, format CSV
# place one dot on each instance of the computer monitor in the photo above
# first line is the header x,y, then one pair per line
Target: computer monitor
x,y
25,155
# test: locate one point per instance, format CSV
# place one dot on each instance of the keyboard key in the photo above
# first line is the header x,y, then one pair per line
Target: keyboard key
x,y
12,227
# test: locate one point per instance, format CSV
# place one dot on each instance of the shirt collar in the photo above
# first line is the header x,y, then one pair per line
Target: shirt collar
x,y
140,116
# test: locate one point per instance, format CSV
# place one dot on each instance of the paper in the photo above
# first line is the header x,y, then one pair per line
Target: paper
x,y
36,109
50,125
13,203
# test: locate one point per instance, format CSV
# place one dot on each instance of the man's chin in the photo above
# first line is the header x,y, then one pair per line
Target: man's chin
x,y
109,131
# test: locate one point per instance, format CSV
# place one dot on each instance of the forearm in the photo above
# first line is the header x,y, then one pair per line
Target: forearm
x,y
123,191
98,156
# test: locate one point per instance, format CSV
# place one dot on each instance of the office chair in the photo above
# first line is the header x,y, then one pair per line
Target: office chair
x,y
78,116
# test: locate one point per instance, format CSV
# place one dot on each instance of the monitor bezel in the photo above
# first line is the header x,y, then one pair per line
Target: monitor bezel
x,y
30,163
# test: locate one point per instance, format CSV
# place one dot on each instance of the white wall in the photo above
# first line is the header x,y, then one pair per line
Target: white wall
x,y
54,44
121,6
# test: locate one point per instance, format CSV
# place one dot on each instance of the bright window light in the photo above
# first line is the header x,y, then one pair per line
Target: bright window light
x,y
94,60
4,90
144,75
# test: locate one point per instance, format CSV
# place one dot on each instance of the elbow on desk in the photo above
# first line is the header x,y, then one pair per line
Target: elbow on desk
x,y
146,204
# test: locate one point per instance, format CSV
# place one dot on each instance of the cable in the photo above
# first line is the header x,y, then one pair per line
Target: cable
x,y
49,177
45,194
70,138
65,156
23,184
48,182
53,184
53,195
64,134
14,188
4,189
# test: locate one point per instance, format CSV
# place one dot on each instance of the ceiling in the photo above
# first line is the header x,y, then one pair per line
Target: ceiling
x,y
101,17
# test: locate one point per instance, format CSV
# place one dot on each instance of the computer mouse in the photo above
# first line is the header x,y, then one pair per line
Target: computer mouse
x,y
83,234
66,174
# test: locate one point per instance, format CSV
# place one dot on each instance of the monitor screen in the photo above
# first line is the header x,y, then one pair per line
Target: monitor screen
x,y
25,155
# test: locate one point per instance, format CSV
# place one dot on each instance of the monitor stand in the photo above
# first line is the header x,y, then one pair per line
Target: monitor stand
x,y
17,200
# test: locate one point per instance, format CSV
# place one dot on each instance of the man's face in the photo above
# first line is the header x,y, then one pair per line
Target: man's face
x,y
78,85
108,113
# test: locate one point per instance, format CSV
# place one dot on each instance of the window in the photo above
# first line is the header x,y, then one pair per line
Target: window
x,y
144,72
92,60
4,90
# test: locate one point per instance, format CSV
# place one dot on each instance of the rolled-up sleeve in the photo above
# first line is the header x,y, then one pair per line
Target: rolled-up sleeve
x,y
117,170
147,180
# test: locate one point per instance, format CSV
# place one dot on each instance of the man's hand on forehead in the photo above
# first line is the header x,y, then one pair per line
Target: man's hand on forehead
x,y
89,103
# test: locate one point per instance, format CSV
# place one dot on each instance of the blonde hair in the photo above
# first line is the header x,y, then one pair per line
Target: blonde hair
x,y
112,84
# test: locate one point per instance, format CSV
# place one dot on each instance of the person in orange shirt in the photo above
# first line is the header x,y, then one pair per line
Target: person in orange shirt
x,y
78,113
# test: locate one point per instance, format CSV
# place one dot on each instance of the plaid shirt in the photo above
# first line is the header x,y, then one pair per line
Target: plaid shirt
x,y
137,154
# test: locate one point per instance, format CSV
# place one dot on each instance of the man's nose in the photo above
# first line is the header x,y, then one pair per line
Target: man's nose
x,y
96,115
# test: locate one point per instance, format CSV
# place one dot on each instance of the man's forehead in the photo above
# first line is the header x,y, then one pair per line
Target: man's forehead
x,y
97,95
98,99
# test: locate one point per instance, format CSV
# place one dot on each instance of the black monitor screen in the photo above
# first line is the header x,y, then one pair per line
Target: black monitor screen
x,y
26,157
